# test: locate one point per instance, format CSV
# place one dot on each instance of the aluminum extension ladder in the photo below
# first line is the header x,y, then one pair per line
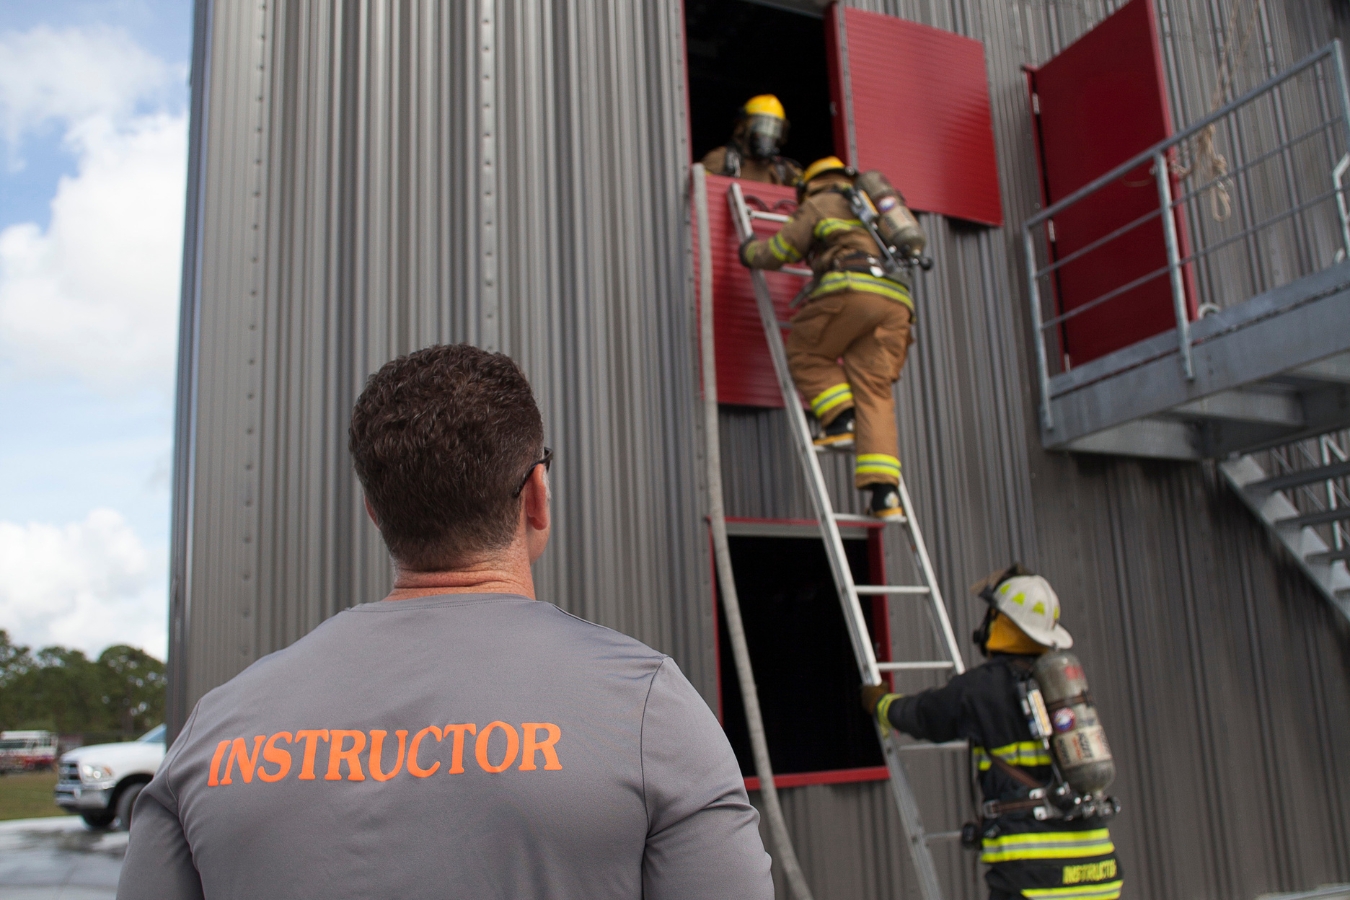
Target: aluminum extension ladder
x,y
868,668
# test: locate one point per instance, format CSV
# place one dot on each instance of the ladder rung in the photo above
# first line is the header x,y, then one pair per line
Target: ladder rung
x,y
850,519
943,836
935,664
766,216
784,324
891,589
925,745
798,271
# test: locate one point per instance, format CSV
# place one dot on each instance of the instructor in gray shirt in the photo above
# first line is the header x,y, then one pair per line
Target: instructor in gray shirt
x,y
459,738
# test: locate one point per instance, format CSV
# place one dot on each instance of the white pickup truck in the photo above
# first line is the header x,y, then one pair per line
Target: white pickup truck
x,y
102,781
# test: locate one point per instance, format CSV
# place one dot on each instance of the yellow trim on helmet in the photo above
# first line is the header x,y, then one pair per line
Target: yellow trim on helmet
x,y
823,165
764,105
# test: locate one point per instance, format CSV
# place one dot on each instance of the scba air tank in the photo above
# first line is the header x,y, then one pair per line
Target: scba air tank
x,y
895,223
1076,735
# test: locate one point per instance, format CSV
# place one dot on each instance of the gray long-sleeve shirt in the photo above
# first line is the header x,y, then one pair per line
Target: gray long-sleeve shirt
x,y
480,745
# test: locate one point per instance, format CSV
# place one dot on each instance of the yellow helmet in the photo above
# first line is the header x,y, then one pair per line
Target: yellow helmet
x,y
764,105
823,166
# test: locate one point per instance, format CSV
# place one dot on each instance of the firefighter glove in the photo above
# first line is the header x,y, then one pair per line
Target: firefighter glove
x,y
745,245
877,702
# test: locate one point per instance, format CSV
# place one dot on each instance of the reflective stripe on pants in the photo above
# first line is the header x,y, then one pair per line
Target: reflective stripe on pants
x,y
871,335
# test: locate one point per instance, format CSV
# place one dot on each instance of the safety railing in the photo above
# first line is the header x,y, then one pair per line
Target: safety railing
x,y
1250,198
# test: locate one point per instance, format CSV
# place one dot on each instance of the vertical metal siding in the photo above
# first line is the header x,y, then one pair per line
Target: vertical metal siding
x,y
372,172
346,174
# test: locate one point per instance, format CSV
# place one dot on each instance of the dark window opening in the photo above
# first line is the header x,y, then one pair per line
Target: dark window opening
x,y
737,49
803,661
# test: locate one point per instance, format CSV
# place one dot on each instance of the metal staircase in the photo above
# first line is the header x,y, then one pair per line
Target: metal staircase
x,y
1299,492
927,592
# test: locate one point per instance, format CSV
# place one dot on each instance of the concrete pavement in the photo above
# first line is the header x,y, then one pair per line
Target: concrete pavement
x,y
59,858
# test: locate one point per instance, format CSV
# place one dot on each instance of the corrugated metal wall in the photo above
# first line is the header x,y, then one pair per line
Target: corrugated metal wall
x,y
373,176
376,177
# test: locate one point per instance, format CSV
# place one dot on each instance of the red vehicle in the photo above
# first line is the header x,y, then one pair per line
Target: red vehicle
x,y
27,751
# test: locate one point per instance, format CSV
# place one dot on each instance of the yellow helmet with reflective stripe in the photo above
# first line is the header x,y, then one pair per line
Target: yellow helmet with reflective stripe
x,y
822,166
764,105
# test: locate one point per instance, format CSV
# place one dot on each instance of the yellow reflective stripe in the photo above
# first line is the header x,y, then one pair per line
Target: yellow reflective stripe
x,y
1022,753
830,398
826,227
877,464
1048,845
833,282
782,250
1108,890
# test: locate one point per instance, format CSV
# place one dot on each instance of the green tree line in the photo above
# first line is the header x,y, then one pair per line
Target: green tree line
x,y
63,690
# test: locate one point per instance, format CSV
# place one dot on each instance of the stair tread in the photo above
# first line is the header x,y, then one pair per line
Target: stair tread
x,y
1329,555
1297,479
1316,518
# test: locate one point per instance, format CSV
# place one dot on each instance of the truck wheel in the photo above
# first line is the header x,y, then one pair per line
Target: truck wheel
x,y
101,819
125,801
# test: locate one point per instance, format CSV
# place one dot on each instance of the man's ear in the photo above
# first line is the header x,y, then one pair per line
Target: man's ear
x,y
536,497
370,511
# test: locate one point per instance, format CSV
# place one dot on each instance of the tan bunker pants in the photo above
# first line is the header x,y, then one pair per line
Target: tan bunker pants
x,y
870,335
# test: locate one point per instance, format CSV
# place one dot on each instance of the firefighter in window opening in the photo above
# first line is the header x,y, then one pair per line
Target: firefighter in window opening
x,y
761,131
1043,828
856,312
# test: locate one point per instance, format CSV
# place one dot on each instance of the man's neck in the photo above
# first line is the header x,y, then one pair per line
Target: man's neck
x,y
499,575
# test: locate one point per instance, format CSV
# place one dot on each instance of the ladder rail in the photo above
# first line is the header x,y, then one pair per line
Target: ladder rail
x,y
917,838
786,855
806,456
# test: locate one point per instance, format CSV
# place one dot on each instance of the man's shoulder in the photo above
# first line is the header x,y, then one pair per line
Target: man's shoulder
x,y
715,160
538,629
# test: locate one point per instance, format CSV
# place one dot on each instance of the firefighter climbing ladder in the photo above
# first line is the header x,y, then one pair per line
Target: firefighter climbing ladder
x,y
849,593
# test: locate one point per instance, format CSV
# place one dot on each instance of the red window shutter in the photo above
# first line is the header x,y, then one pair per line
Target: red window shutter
x,y
745,375
913,101
1101,101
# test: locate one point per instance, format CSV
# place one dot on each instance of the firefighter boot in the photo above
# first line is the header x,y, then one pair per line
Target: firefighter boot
x,y
885,503
838,435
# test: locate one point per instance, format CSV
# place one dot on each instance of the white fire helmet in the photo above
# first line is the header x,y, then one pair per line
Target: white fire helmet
x,y
1032,604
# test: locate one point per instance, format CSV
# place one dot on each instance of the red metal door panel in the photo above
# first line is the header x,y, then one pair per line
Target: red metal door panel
x,y
914,103
745,374
1103,100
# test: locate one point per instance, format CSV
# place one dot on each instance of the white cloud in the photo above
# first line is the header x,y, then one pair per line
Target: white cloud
x,y
70,75
86,584
95,294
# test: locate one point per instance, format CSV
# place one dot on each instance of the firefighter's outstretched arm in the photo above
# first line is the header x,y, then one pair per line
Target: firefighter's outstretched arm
x,y
931,715
788,246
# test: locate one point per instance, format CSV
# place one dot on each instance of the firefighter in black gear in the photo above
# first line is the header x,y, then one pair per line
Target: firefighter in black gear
x,y
752,154
1046,858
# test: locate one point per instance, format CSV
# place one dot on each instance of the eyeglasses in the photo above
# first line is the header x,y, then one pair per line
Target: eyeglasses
x,y
546,461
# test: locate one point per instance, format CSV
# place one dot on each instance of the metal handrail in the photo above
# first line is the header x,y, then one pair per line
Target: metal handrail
x,y
1180,201
1330,50
1167,208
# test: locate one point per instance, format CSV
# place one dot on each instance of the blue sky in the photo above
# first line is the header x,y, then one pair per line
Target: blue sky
x,y
93,99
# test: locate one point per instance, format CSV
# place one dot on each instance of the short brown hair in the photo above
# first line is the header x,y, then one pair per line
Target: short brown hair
x,y
440,438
